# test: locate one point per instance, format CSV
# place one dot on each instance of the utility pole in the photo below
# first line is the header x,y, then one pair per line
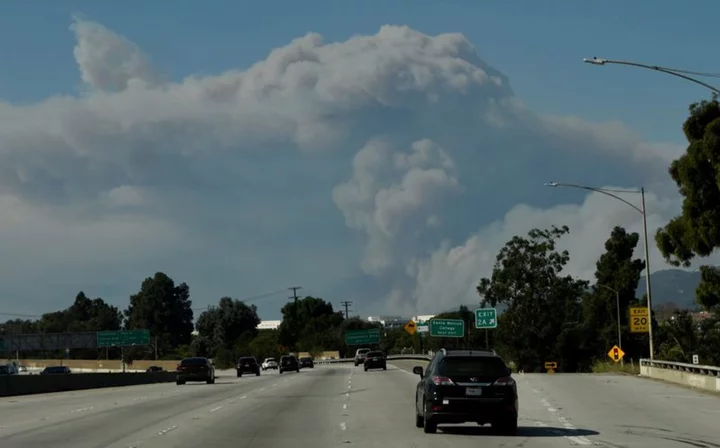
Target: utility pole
x,y
346,304
295,296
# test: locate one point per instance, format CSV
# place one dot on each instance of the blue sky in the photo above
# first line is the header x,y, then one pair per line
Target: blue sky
x,y
539,46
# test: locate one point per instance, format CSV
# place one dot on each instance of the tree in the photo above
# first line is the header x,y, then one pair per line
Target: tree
x,y
163,308
616,269
696,231
226,329
543,317
92,315
310,324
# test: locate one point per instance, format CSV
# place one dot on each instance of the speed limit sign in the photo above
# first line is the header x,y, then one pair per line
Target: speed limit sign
x,y
639,320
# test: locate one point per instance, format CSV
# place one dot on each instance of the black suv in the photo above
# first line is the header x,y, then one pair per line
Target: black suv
x,y
375,360
287,363
247,364
461,386
195,369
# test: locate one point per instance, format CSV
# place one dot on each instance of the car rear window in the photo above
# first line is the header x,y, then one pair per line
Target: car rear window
x,y
472,365
375,354
193,362
4,370
247,359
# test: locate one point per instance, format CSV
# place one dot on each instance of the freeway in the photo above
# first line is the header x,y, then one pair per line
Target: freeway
x,y
337,405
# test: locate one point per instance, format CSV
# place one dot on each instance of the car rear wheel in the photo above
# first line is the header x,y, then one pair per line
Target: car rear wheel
x,y
179,382
298,370
258,373
419,420
280,371
429,426
507,427
239,374
384,367
211,381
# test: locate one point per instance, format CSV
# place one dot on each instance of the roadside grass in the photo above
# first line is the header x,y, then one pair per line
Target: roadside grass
x,y
629,368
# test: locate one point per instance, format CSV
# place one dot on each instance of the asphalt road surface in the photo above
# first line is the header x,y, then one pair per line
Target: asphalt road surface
x,y
341,405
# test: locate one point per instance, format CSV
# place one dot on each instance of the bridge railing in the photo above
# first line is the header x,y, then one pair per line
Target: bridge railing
x,y
693,375
696,369
389,358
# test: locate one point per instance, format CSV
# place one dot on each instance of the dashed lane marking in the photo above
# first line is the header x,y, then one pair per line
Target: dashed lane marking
x,y
167,430
216,409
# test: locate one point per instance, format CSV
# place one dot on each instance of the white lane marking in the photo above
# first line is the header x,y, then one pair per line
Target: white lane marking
x,y
349,387
574,440
552,409
243,397
262,389
167,430
343,426
216,409
81,410
345,406
274,385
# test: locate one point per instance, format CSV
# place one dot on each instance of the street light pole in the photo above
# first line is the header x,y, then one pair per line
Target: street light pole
x,y
617,307
670,71
641,210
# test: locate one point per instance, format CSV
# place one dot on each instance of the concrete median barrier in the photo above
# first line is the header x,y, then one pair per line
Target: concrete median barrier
x,y
11,385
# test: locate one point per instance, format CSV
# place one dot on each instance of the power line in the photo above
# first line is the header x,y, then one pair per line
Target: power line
x,y
249,299
346,304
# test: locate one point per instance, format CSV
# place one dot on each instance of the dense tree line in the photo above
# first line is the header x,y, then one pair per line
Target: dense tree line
x,y
547,314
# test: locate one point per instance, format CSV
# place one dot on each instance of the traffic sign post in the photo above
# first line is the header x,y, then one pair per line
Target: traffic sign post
x,y
362,337
447,328
486,318
123,338
639,320
616,354
410,327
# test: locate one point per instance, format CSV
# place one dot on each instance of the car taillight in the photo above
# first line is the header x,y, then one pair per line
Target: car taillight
x,y
506,381
179,367
442,381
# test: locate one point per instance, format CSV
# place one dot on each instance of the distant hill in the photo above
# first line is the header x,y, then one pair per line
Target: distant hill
x,y
672,286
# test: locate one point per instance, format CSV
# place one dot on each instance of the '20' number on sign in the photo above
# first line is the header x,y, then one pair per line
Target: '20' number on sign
x,y
640,321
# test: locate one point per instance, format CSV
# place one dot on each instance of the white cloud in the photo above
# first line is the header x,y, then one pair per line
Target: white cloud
x,y
239,182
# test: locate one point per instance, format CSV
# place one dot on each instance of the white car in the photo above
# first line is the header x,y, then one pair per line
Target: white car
x,y
269,363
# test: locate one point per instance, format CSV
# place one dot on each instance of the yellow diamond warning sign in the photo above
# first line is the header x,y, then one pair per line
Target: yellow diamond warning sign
x,y
616,353
410,327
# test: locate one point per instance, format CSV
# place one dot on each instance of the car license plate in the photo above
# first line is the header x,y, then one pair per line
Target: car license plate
x,y
374,359
473,391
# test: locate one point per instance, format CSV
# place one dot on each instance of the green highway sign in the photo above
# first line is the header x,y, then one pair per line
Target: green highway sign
x,y
362,337
123,338
447,328
486,318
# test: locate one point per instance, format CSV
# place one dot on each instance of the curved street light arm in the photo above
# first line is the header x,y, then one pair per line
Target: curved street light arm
x,y
669,71
600,190
608,288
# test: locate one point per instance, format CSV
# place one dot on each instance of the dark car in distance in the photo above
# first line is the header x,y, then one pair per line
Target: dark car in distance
x,y
375,360
195,369
247,364
461,386
288,363
307,361
56,370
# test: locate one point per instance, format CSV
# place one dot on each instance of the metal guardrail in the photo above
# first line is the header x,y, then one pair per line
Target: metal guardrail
x,y
389,358
696,369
